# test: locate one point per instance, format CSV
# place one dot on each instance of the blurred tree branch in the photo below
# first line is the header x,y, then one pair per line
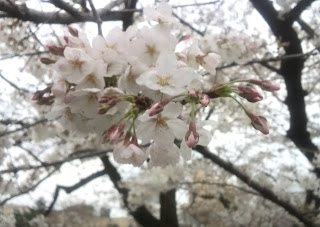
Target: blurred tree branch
x,y
265,192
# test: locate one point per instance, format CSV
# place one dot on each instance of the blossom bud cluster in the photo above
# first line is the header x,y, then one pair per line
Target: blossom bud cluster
x,y
131,87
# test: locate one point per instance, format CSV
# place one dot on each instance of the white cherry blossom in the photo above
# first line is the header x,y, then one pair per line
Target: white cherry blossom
x,y
75,66
167,77
163,127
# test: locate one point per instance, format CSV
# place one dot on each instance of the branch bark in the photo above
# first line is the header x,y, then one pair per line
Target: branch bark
x,y
265,192
27,14
141,214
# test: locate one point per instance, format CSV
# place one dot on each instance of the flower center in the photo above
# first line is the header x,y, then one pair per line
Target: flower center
x,y
92,97
151,50
161,122
92,79
76,64
163,80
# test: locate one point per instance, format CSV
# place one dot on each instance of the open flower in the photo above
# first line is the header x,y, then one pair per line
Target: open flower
x,y
129,152
163,127
167,77
75,66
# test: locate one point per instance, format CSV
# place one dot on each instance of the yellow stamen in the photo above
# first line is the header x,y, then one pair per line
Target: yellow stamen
x,y
163,80
76,64
161,122
92,79
151,50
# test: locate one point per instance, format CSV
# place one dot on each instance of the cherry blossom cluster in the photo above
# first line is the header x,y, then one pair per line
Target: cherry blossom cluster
x,y
132,86
233,47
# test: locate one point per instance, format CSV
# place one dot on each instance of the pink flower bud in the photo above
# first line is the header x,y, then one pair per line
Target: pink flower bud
x,y
259,123
205,100
267,85
60,88
113,134
249,94
39,94
185,37
47,61
117,133
56,50
192,137
158,107
66,38
193,93
73,31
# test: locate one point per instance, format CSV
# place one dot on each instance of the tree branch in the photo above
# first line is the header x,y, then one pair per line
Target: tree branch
x,y
141,214
69,189
8,56
28,14
182,21
265,192
88,154
24,126
14,86
127,19
168,210
67,7
291,70
97,16
27,190
295,13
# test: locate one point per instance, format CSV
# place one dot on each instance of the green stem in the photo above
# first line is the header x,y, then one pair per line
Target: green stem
x,y
238,81
240,104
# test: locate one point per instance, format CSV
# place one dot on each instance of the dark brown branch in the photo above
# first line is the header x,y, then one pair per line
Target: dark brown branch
x,y
265,192
305,27
168,210
141,214
295,13
291,70
66,7
127,19
27,190
38,17
69,189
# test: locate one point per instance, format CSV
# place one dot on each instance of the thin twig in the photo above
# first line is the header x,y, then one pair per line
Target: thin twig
x,y
23,127
69,189
27,190
182,21
195,4
14,86
55,164
8,56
